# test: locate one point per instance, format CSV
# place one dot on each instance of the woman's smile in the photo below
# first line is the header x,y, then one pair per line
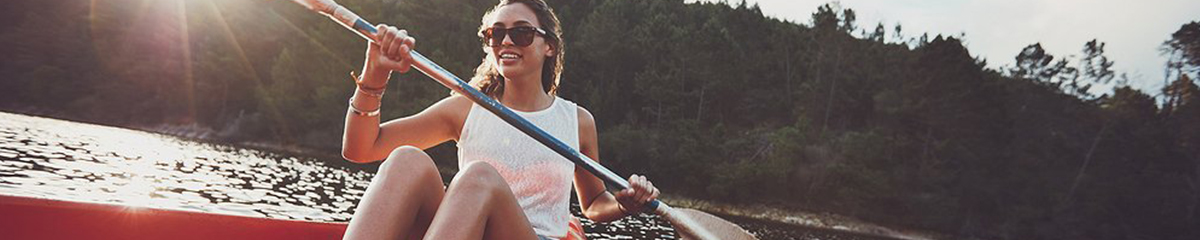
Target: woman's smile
x,y
509,57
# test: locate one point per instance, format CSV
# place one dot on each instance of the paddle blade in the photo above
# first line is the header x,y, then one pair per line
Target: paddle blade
x,y
719,227
693,224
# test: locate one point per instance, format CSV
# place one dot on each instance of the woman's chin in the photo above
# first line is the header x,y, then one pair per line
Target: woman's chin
x,y
510,71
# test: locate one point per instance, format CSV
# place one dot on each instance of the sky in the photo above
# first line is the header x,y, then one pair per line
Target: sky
x,y
997,30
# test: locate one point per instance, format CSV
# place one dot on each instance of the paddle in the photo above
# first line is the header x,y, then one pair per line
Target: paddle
x,y
690,224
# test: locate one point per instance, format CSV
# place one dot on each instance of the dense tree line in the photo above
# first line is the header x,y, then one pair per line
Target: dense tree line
x,y
710,100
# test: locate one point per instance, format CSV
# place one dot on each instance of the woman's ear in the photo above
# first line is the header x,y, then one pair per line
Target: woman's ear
x,y
550,50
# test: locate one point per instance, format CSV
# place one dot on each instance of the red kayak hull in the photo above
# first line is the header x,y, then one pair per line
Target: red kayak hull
x,y
36,218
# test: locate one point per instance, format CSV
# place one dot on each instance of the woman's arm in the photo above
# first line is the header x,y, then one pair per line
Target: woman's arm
x,y
597,203
364,139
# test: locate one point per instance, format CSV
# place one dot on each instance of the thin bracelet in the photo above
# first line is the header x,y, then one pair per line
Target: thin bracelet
x,y
358,82
598,195
361,112
369,91
374,94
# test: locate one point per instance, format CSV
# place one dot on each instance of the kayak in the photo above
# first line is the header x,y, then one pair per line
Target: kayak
x,y
38,218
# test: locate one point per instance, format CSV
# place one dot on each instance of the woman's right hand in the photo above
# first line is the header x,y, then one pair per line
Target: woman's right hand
x,y
389,52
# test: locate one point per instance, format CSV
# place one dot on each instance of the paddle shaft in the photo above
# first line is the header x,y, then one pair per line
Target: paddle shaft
x,y
439,74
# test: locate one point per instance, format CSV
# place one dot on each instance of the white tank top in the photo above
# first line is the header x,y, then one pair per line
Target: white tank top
x,y
539,177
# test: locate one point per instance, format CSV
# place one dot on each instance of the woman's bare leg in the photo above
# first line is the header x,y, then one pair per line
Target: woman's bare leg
x,y
401,200
479,205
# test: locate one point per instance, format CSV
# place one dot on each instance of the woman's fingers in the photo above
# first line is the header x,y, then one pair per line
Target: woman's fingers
x,y
389,42
407,44
383,37
379,31
409,40
640,187
389,39
640,192
394,46
650,191
402,51
393,50
654,192
625,197
404,63
623,194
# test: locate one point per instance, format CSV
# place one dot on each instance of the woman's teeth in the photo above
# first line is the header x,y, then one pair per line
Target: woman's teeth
x,y
509,56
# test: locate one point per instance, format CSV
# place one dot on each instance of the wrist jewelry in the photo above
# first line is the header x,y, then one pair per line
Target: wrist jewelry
x,y
361,112
374,94
358,82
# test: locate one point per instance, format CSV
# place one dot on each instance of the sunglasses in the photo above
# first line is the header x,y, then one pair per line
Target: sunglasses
x,y
521,36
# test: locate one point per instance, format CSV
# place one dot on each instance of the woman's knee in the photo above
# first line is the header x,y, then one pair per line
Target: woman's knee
x,y
478,176
409,161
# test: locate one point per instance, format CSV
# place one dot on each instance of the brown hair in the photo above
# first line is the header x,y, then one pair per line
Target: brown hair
x,y
488,79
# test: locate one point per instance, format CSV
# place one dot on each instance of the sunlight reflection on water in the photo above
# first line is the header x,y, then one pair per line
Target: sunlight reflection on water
x,y
83,162
58,159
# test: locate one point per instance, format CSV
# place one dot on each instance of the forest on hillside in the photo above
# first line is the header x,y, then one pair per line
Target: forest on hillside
x,y
710,100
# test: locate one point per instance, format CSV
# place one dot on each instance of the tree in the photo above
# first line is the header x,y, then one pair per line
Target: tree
x,y
1095,68
1034,64
826,17
1184,48
1182,111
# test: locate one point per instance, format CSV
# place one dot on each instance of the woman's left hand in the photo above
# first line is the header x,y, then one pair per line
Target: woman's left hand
x,y
633,199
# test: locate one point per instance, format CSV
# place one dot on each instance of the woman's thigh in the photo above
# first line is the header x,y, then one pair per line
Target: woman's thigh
x,y
402,199
480,205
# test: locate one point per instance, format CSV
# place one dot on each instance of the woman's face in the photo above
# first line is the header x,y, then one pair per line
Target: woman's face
x,y
516,62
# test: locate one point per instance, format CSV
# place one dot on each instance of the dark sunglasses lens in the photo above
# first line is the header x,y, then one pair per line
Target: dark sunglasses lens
x,y
495,36
522,36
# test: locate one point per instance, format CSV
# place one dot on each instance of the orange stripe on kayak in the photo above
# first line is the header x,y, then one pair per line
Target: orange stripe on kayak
x,y
35,218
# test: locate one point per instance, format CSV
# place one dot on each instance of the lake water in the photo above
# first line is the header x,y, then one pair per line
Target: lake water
x,y
59,159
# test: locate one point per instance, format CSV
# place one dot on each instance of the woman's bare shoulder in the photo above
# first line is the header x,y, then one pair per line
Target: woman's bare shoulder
x,y
586,120
587,129
452,110
454,102
454,107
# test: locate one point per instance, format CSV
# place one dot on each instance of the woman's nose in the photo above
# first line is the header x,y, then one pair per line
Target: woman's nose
x,y
506,41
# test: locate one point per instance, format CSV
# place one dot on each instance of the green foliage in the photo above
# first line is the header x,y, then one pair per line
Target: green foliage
x,y
709,100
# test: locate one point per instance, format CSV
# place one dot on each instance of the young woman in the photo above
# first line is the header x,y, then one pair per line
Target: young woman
x,y
508,186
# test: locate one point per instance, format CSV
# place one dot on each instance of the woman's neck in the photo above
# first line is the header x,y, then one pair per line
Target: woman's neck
x,y
525,95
